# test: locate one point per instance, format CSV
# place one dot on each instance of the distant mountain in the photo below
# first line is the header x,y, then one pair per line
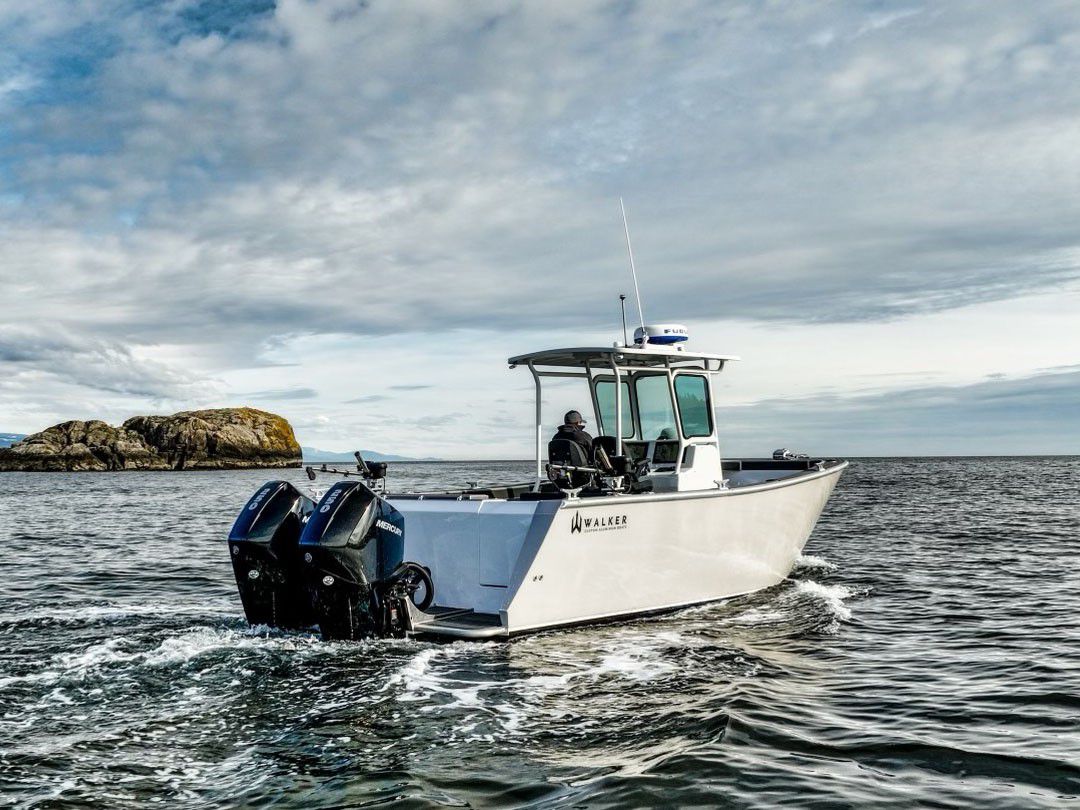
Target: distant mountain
x,y
8,439
313,455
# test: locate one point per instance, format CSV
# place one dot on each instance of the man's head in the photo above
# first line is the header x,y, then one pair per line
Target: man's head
x,y
573,418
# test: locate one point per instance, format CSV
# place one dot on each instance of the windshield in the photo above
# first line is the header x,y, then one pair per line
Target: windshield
x,y
692,393
605,398
655,412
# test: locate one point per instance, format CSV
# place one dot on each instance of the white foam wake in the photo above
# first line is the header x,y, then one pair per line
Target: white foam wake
x,y
124,651
111,613
831,596
453,679
813,562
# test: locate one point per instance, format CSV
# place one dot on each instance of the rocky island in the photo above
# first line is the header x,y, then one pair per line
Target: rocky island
x,y
217,439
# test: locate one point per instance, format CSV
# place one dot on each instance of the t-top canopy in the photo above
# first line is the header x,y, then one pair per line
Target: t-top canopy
x,y
650,357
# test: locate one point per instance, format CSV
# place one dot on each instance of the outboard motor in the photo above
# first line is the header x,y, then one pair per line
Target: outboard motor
x,y
266,558
353,547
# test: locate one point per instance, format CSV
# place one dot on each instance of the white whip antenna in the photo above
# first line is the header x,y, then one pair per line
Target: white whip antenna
x,y
633,270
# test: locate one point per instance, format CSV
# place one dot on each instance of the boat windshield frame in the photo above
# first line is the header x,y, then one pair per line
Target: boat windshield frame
x,y
619,364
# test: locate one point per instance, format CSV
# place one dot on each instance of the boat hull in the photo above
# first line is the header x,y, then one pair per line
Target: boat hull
x,y
605,560
595,559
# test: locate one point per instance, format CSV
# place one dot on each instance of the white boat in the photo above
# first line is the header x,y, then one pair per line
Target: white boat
x,y
656,520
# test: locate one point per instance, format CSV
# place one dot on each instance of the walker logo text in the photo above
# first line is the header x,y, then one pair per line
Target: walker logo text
x,y
604,523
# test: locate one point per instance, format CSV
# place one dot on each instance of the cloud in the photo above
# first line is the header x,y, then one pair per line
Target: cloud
x,y
222,179
27,354
438,422
283,394
228,156
366,399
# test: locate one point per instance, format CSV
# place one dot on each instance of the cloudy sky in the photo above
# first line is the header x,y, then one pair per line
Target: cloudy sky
x,y
351,213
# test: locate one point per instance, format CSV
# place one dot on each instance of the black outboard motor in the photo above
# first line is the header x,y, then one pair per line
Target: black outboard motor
x,y
264,546
353,547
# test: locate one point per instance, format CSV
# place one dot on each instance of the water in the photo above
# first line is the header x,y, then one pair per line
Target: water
x,y
925,653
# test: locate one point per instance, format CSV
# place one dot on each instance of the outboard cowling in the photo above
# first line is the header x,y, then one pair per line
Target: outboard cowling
x,y
264,546
352,548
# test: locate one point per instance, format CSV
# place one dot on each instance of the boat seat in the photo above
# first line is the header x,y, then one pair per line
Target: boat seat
x,y
566,453
610,462
633,465
634,449
606,442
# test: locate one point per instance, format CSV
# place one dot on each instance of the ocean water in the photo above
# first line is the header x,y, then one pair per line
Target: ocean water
x,y
924,653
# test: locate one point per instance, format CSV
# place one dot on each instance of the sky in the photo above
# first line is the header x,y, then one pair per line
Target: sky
x,y
351,213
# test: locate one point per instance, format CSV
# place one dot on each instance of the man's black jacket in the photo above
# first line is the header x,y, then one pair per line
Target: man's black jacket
x,y
575,434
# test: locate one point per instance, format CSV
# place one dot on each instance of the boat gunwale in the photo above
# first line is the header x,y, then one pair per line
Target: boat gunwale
x,y
652,497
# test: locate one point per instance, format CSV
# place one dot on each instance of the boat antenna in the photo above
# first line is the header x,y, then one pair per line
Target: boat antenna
x,y
622,306
633,270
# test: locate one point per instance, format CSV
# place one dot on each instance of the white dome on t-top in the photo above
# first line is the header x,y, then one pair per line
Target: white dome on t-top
x,y
663,334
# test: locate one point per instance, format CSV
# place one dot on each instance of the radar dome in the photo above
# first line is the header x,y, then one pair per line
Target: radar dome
x,y
661,334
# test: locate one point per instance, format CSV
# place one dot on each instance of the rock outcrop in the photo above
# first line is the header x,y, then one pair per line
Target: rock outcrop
x,y
219,439
225,438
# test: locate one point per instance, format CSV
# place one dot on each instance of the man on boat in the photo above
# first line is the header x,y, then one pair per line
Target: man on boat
x,y
573,428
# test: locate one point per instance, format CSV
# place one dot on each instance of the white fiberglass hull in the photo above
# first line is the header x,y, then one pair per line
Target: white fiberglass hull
x,y
591,559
